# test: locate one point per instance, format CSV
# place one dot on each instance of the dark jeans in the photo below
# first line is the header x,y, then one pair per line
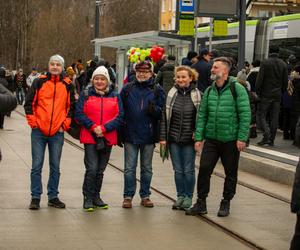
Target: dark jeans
x,y
95,162
269,128
20,95
295,244
229,154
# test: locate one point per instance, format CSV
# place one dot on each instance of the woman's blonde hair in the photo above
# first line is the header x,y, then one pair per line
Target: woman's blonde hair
x,y
191,72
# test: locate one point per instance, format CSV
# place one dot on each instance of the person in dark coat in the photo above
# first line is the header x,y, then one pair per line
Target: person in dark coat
x,y
21,86
4,83
143,102
203,67
295,107
271,81
190,59
251,77
165,76
8,102
295,208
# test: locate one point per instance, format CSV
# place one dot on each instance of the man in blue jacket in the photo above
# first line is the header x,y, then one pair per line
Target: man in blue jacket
x,y
143,102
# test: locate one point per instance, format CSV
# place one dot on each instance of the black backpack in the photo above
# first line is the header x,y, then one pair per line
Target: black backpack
x,y
75,127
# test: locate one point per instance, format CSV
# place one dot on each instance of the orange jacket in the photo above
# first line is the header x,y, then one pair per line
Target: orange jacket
x,y
48,104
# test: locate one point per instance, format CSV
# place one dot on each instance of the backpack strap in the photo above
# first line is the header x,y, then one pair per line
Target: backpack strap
x,y
233,90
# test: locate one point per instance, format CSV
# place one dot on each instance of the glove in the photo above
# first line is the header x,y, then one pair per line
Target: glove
x,y
151,108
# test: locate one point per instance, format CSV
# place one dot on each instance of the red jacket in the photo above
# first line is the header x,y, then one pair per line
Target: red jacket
x,y
105,111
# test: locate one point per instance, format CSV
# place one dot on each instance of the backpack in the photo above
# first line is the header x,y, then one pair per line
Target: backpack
x,y
75,127
232,90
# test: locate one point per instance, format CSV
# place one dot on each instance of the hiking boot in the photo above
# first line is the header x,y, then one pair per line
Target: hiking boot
x,y
56,203
198,208
99,203
224,208
146,202
127,203
34,204
177,204
88,205
187,203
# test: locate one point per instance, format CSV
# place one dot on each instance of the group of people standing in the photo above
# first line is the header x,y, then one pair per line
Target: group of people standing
x,y
140,116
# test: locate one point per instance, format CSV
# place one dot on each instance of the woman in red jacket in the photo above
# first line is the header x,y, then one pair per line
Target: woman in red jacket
x,y
100,112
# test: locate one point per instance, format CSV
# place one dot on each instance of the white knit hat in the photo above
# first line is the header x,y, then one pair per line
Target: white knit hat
x,y
101,70
57,58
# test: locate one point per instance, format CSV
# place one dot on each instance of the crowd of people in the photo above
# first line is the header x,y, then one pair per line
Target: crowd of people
x,y
205,104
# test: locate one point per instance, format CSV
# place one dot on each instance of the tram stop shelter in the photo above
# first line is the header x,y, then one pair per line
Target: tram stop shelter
x,y
172,43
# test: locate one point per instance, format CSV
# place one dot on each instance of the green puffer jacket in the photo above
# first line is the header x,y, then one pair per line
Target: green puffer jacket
x,y
221,117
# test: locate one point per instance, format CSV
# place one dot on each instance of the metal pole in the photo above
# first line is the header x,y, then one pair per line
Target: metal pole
x,y
242,35
210,33
97,19
196,34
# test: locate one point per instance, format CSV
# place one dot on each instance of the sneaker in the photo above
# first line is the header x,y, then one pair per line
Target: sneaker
x,y
146,202
56,203
127,203
99,203
88,205
187,203
224,208
198,208
178,203
34,204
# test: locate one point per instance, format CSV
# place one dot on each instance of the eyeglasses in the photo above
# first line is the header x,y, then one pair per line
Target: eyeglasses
x,y
143,72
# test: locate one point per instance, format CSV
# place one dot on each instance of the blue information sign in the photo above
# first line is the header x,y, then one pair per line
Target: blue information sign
x,y
186,6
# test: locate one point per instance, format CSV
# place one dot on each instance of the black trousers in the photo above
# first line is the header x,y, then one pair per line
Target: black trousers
x,y
269,128
229,154
2,120
95,163
295,244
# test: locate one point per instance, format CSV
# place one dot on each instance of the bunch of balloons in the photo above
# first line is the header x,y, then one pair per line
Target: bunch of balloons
x,y
136,54
156,53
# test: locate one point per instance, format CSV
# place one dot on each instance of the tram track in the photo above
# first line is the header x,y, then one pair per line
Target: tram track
x,y
204,218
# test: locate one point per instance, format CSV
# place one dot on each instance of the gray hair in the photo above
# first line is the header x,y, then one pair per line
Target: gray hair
x,y
57,58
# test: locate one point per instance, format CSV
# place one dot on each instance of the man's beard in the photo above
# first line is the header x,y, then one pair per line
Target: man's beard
x,y
216,77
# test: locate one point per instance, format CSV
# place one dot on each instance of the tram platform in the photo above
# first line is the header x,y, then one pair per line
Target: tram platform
x,y
260,212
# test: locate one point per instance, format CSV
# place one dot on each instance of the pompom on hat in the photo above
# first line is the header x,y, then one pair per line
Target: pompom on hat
x,y
101,70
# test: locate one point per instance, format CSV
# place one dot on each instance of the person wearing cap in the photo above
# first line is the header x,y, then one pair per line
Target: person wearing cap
x,y
21,86
33,75
203,67
100,112
48,109
143,102
222,128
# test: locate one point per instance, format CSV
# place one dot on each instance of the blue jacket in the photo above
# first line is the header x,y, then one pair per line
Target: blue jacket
x,y
143,103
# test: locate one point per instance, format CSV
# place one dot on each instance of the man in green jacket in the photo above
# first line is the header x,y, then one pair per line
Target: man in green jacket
x,y
222,129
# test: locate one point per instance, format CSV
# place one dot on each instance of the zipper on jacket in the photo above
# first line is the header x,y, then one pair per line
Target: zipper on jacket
x,y
101,111
52,107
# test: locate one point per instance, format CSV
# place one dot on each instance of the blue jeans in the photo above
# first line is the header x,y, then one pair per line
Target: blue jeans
x,y
131,157
38,146
183,161
95,163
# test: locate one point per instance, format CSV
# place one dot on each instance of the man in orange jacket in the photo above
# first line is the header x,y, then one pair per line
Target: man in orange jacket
x,y
48,112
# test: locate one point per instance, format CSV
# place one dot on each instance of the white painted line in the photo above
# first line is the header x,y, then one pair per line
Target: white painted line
x,y
275,153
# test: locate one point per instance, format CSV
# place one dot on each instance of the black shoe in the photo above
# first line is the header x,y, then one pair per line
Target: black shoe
x,y
99,203
271,143
34,204
198,208
224,208
264,142
56,203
